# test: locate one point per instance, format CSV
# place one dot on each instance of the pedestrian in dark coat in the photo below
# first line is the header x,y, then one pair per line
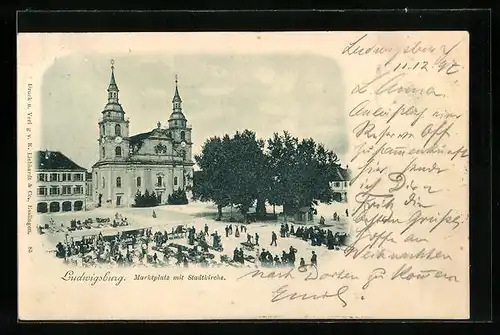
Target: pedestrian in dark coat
x,y
314,259
274,237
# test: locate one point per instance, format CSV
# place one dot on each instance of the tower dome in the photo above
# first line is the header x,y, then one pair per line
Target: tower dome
x,y
113,104
177,118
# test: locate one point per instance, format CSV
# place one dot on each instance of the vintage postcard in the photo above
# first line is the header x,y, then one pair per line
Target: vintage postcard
x,y
274,175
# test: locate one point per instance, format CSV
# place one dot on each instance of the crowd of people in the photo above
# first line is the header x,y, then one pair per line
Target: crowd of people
x,y
143,246
318,236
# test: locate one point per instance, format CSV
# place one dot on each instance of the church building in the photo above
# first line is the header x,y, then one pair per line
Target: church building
x,y
158,161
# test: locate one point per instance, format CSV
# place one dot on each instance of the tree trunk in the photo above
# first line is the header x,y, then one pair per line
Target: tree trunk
x,y
261,206
219,212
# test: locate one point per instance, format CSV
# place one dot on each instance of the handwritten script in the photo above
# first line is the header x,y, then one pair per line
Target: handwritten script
x,y
408,195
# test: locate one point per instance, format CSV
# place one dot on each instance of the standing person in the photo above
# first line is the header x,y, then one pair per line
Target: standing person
x,y
236,255
249,239
227,231
284,258
314,259
242,256
236,232
346,212
274,238
277,261
206,230
302,261
262,256
230,229
256,239
291,255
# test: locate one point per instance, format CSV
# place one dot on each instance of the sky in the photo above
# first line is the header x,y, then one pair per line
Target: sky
x,y
302,94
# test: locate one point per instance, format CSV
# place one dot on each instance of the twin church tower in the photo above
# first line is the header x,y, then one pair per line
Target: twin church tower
x,y
158,161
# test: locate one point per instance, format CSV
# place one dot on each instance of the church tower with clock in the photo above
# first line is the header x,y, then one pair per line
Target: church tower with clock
x,y
113,128
156,162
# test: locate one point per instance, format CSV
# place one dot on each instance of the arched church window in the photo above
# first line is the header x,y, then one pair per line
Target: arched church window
x,y
118,130
103,152
103,182
118,151
175,181
118,182
138,181
183,135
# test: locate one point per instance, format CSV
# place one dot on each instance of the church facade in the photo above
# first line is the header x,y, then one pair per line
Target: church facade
x,y
158,161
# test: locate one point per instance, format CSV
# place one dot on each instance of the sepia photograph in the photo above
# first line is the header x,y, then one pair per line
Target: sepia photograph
x,y
128,191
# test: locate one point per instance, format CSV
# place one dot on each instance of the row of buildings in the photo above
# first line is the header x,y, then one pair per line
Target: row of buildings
x,y
158,161
63,185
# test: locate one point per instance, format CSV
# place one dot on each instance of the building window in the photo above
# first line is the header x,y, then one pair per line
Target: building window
x,y
53,177
42,177
103,152
175,181
64,175
159,181
183,135
54,190
118,130
118,182
138,181
78,177
345,184
118,151
78,189
42,191
103,182
66,190
337,184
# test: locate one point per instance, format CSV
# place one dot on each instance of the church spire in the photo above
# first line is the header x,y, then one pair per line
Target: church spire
x,y
113,106
176,101
113,88
177,118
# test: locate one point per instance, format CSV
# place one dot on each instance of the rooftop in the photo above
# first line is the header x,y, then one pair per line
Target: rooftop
x,y
55,160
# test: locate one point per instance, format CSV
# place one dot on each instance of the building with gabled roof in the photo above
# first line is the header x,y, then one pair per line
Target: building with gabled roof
x,y
60,183
340,183
158,161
